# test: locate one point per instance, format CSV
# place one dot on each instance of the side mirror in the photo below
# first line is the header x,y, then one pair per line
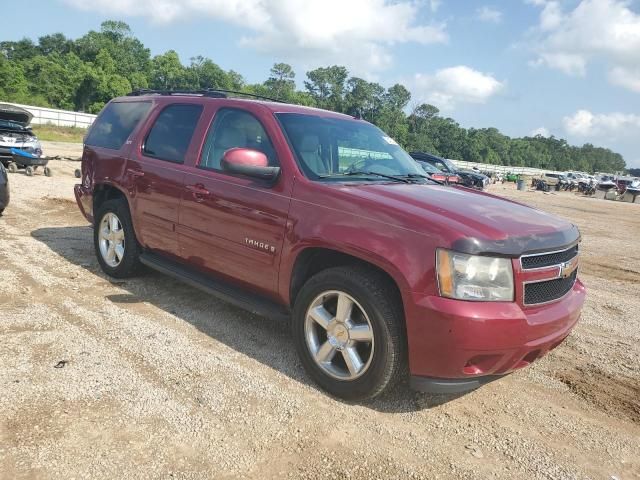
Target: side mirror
x,y
252,163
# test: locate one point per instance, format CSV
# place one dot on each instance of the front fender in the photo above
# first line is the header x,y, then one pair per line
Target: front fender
x,y
404,255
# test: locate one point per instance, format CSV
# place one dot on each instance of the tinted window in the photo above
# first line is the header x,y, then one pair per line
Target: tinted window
x,y
114,125
171,133
333,148
235,128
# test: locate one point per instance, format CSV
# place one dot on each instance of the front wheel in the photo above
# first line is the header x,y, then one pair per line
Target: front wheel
x,y
115,241
348,330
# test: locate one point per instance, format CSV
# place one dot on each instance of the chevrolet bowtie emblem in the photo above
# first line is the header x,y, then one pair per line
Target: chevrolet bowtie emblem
x,y
567,268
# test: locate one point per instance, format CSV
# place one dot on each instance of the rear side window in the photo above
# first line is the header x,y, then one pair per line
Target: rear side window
x,y
114,125
171,134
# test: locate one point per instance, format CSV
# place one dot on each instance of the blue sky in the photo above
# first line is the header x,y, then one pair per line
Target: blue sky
x,y
569,68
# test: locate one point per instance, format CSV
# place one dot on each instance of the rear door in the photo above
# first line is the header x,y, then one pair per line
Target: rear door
x,y
234,225
108,142
155,172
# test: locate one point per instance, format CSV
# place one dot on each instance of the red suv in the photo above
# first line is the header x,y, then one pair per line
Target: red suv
x,y
322,218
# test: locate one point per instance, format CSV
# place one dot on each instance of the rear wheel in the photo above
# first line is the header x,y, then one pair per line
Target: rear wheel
x,y
47,171
348,330
115,242
13,168
28,171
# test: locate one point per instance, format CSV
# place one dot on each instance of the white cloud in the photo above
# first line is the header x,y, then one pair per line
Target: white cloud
x,y
434,5
356,31
551,16
626,77
450,86
583,123
489,14
568,63
542,131
607,30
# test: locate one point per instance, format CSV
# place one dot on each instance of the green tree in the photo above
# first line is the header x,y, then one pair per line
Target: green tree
x,y
13,83
55,43
167,72
281,84
327,85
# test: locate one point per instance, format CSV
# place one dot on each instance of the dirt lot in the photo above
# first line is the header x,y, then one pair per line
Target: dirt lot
x,y
159,380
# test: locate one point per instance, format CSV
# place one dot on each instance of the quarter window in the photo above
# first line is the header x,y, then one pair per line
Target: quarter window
x,y
116,122
235,128
171,134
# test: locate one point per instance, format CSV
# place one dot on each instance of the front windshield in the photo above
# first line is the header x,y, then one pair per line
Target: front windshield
x,y
443,164
429,168
332,148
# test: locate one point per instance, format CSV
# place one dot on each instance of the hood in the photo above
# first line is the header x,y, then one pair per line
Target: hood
x,y
479,222
14,114
472,174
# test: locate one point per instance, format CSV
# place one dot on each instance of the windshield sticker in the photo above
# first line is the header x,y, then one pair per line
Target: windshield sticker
x,y
390,141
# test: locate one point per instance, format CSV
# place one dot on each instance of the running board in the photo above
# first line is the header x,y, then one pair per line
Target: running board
x,y
253,303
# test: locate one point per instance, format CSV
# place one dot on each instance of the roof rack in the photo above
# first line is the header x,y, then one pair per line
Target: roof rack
x,y
209,92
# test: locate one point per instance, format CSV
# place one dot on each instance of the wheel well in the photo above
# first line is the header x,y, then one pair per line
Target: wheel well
x,y
313,260
102,193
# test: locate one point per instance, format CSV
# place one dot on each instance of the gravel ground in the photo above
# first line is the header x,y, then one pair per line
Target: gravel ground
x,y
149,378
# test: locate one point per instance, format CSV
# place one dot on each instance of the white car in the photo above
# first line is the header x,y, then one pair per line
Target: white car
x,y
16,133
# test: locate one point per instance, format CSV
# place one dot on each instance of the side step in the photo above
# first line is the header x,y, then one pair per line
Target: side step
x,y
224,291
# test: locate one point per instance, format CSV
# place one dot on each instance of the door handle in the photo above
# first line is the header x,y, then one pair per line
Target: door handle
x,y
135,173
198,191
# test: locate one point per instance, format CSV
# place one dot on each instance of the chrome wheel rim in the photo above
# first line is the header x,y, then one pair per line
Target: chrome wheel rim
x,y
111,239
339,335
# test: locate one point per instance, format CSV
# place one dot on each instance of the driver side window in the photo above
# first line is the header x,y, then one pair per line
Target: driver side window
x,y
234,128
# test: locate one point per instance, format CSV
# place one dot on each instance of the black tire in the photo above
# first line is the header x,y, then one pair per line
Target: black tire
x,y
28,171
130,264
383,305
47,171
12,168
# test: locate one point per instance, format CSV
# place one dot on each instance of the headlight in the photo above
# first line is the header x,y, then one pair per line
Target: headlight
x,y
33,145
472,277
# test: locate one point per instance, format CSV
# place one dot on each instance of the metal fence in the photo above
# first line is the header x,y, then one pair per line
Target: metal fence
x,y
60,118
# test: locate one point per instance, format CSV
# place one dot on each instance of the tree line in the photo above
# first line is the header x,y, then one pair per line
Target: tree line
x,y
85,73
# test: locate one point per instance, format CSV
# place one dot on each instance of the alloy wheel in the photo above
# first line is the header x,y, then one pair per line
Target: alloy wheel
x,y
111,239
339,335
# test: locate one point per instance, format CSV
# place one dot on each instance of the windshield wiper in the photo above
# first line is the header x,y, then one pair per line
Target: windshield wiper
x,y
426,177
390,177
363,172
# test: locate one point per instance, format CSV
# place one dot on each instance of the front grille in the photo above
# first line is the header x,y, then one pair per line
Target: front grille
x,y
548,259
549,290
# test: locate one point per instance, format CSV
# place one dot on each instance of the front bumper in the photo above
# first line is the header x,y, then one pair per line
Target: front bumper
x,y
84,198
456,346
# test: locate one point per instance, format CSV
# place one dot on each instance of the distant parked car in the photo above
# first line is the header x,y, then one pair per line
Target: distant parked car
x,y
15,133
551,181
468,178
4,189
623,182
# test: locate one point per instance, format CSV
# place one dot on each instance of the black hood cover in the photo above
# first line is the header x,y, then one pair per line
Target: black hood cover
x,y
15,114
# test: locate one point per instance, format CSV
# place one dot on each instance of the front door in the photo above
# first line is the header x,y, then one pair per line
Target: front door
x,y
156,172
233,225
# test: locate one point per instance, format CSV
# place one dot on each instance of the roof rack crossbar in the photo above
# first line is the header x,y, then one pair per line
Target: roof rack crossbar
x,y
209,92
